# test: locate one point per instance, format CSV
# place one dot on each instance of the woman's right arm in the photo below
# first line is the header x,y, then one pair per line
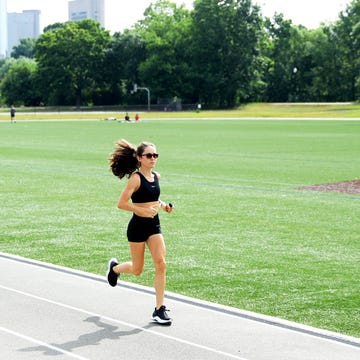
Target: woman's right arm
x,y
124,201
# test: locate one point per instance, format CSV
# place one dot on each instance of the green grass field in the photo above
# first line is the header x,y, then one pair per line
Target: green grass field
x,y
265,110
240,235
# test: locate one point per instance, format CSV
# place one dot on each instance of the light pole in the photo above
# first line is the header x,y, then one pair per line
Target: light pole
x,y
136,88
295,71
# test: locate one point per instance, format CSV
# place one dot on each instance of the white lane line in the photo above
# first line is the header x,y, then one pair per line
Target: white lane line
x,y
41,343
73,308
281,324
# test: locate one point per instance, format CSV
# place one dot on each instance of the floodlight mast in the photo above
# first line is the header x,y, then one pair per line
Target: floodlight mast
x,y
136,88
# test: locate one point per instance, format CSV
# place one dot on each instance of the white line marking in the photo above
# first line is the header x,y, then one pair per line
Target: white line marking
x,y
117,322
41,343
270,321
129,287
279,324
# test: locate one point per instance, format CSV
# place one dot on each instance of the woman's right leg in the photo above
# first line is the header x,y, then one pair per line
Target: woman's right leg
x,y
135,266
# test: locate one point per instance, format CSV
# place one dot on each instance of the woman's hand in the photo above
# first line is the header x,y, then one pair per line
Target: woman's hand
x,y
148,212
166,207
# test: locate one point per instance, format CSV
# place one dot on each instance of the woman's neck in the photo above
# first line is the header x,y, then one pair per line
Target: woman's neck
x,y
146,172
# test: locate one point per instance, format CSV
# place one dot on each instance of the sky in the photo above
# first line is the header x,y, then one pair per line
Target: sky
x,y
122,14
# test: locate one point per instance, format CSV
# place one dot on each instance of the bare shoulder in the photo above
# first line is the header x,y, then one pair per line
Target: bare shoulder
x,y
134,181
157,174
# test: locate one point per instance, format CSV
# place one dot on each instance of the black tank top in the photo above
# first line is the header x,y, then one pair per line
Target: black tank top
x,y
148,191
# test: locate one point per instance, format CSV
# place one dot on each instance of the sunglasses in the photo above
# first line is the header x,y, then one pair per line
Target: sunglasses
x,y
149,155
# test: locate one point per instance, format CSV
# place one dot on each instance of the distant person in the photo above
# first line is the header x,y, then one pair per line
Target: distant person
x,y
127,117
12,114
141,197
137,118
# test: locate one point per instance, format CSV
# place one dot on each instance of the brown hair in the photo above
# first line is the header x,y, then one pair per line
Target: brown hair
x,y
123,160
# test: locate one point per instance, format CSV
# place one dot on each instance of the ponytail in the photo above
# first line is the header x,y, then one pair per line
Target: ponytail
x,y
123,160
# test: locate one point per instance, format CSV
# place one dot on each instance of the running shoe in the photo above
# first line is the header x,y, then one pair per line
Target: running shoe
x,y
111,275
161,316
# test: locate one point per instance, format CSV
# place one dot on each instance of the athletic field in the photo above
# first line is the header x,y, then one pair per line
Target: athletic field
x,y
241,235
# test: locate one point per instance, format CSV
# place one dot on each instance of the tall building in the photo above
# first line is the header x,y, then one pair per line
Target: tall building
x,y
87,9
21,26
3,28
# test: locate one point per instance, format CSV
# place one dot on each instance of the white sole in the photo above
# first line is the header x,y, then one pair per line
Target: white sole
x,y
161,321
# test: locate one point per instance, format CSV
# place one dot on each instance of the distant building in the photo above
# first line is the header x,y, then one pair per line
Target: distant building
x,y
87,9
21,26
3,28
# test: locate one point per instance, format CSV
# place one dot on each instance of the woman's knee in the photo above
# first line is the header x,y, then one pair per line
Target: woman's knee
x,y
137,271
160,265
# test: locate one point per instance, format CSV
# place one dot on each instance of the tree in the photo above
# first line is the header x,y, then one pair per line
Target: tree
x,y
326,64
57,25
226,37
5,65
19,86
124,54
26,48
165,31
348,34
282,67
71,60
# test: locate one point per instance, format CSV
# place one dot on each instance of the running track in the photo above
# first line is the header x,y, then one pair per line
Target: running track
x,y
54,312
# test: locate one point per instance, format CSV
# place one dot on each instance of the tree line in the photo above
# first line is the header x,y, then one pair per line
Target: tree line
x,y
220,54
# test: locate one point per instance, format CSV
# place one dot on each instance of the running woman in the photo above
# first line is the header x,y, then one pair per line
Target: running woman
x,y
143,189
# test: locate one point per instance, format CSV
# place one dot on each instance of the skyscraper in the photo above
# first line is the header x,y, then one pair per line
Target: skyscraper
x,y
87,9
3,28
21,26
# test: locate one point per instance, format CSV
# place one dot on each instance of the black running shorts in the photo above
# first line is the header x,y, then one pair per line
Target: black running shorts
x,y
141,228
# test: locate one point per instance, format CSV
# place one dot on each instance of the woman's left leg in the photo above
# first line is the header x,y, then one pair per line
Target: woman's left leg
x,y
156,245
